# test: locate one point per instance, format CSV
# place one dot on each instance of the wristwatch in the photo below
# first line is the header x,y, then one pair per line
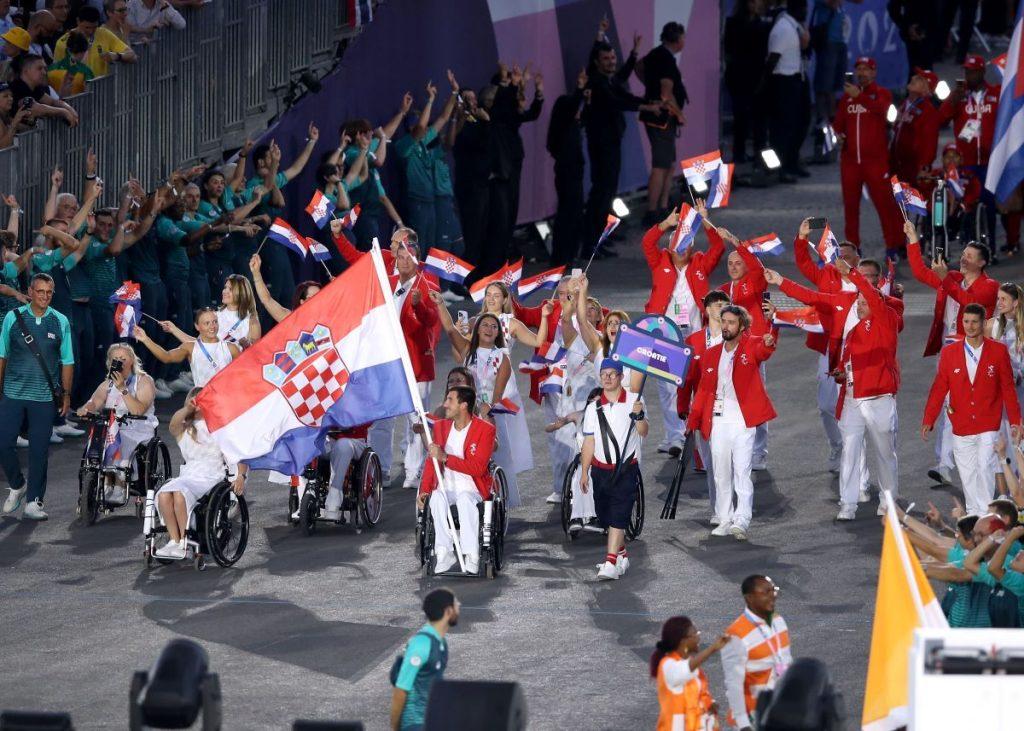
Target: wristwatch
x,y
638,415
124,391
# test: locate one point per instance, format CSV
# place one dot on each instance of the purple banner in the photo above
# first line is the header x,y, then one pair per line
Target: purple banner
x,y
652,355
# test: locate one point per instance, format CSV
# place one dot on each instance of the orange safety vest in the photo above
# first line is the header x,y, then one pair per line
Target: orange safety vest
x,y
765,649
686,711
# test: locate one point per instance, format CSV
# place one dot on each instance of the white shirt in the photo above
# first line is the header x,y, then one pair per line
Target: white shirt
x,y
951,312
973,357
785,41
456,447
847,286
682,308
207,360
677,674
230,326
619,422
401,292
140,16
726,394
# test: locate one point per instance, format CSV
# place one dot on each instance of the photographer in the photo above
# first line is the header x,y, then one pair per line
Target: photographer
x,y
127,389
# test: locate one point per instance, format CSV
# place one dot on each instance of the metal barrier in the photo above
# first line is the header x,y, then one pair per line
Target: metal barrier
x,y
192,94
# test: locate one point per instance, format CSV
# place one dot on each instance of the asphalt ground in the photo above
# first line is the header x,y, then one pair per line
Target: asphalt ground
x,y
309,626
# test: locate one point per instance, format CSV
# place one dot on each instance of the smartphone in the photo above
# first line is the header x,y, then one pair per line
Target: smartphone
x,y
576,273
816,223
766,296
463,317
848,78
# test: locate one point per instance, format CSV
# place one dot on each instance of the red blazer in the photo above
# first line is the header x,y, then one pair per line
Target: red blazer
x,y
477,462
421,323
976,151
663,271
748,291
754,402
915,138
698,343
863,122
978,407
983,291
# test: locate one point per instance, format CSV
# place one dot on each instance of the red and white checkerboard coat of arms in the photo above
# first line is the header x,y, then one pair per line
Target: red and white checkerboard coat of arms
x,y
310,374
449,264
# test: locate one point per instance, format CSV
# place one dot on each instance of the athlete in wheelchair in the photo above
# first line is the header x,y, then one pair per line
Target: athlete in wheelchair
x,y
202,511
123,457
346,478
467,512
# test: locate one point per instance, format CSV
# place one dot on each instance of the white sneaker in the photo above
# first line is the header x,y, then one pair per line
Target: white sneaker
x,y
14,500
847,512
186,376
622,563
881,508
34,510
722,529
715,520
472,564
450,297
738,532
295,515
172,549
864,496
179,385
411,482
759,466
22,442
607,572
331,514
575,526
554,499
593,526
161,385
69,430
444,562
56,438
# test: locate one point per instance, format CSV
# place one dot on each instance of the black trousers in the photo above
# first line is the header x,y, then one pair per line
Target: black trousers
x,y
472,201
789,108
568,224
748,122
497,242
605,162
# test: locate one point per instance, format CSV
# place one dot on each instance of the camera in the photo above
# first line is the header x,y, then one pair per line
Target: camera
x,y
115,367
27,102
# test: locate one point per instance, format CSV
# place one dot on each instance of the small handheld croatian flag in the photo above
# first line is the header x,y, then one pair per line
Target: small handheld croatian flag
x,y
953,182
720,185
509,275
350,218
447,266
769,244
550,352
700,167
320,209
686,229
505,406
804,318
828,246
914,201
282,233
318,250
128,312
112,442
610,225
544,280
885,282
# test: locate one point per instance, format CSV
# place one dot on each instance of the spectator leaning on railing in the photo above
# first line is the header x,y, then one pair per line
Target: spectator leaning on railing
x,y
32,84
117,19
11,119
42,29
145,17
68,76
104,47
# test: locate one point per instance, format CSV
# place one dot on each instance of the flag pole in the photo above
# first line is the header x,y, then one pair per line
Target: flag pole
x,y
414,392
327,269
901,548
258,248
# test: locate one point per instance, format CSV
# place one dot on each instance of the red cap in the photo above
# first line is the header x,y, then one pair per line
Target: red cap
x,y
950,147
974,61
865,61
930,76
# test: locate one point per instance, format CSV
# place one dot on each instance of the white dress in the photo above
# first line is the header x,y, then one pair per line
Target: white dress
x,y
207,360
204,466
134,432
230,326
505,318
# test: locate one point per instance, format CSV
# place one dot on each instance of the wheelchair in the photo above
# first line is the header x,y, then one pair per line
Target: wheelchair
x,y
218,528
149,466
493,527
362,494
636,519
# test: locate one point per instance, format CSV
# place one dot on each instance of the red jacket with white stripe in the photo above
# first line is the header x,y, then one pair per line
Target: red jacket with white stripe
x,y
863,122
983,290
748,291
976,151
476,461
746,379
664,273
974,408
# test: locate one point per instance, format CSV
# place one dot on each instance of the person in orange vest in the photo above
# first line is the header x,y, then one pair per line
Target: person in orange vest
x,y
683,696
758,652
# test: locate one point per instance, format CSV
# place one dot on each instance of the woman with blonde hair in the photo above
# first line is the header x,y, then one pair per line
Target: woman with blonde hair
x,y
206,354
498,301
237,321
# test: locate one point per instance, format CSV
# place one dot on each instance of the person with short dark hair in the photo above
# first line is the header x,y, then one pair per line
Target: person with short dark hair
x,y
68,76
786,83
424,661
683,694
37,366
758,653
105,47
145,17
31,83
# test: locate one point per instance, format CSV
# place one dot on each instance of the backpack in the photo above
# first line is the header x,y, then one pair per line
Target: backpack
x,y
396,666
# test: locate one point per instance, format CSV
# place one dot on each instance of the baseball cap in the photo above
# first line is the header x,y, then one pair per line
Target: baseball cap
x,y
950,147
930,76
865,61
18,37
974,61
611,363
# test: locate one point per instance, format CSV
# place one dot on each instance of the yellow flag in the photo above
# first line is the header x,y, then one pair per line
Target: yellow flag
x,y
904,602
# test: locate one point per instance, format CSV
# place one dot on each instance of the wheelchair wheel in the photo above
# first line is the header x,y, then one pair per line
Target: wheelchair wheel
x,y
370,486
428,542
497,546
158,465
570,474
501,504
226,529
636,519
421,535
88,496
308,510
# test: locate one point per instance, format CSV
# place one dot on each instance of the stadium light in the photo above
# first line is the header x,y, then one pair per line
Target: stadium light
x,y
619,208
942,90
890,115
771,160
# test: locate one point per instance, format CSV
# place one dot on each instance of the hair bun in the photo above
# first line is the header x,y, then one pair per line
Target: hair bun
x,y
662,646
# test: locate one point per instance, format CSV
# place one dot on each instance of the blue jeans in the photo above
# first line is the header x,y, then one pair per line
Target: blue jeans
x,y
40,416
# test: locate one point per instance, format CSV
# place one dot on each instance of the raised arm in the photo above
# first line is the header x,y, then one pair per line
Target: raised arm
x,y
460,343
179,354
271,305
392,125
996,564
525,335
802,255
348,252
587,331
300,162
918,268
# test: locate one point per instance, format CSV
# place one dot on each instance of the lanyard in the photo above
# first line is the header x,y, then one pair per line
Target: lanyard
x,y
774,649
232,328
206,352
482,372
970,353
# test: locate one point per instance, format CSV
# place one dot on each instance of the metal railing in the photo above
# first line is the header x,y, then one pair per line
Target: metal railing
x,y
192,94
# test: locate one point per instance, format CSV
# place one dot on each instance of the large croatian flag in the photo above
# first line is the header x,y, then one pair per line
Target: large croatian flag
x,y
1006,163
335,362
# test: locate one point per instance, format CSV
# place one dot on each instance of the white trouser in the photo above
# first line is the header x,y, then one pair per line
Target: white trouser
x,y
945,440
469,521
828,396
704,450
561,443
732,449
674,427
341,452
382,434
582,502
976,462
761,432
868,421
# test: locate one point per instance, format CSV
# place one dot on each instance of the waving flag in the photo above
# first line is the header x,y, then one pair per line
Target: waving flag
x,y
544,280
320,209
350,218
720,185
1000,63
828,247
914,201
282,233
700,167
128,312
904,601
1006,163
550,352
686,229
885,282
510,274
337,361
112,442
447,266
505,406
953,182
318,250
769,244
611,225
359,12
803,318
553,382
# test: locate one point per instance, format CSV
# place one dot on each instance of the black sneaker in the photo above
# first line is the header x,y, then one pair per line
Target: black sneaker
x,y
575,526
